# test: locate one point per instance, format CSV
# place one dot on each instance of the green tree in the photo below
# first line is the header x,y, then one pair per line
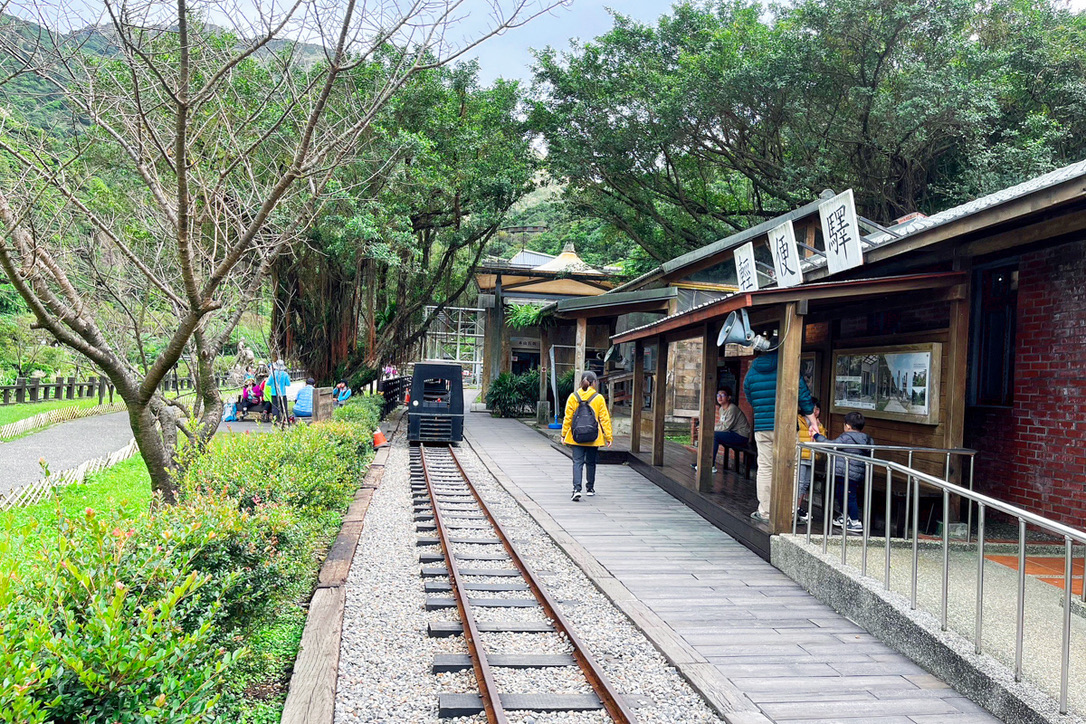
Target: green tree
x,y
722,115
192,157
447,159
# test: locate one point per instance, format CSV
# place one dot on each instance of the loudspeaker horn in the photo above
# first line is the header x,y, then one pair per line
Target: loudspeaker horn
x,y
736,330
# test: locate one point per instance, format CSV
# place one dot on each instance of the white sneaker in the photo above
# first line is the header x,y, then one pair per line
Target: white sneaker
x,y
590,493
576,497
694,466
853,526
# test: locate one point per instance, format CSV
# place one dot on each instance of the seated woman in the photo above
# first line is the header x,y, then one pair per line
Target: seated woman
x,y
303,403
341,393
252,398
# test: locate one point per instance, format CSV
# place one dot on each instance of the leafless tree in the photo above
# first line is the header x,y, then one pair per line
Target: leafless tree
x,y
199,140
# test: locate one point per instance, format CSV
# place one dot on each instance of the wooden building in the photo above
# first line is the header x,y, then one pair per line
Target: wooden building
x,y
962,329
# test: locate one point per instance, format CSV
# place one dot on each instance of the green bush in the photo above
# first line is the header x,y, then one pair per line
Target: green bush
x,y
512,395
362,409
115,625
149,616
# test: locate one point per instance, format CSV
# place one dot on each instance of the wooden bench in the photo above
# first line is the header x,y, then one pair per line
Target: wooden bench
x,y
745,455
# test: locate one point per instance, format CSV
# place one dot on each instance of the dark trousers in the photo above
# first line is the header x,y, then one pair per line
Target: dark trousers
x,y
584,457
279,407
729,438
853,499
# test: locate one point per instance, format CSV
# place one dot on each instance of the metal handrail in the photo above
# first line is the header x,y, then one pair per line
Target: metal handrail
x,y
983,502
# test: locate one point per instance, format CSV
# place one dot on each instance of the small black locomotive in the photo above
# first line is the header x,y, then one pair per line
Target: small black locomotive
x,y
435,411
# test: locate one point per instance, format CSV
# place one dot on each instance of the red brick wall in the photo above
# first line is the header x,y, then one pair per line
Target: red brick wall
x,y
1034,454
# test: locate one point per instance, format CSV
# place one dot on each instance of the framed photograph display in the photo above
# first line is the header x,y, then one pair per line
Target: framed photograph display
x,y
894,383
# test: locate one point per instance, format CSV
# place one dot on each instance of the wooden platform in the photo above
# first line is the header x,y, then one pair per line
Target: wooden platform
x,y
727,506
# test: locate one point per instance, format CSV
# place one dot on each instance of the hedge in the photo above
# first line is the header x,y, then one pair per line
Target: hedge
x,y
147,616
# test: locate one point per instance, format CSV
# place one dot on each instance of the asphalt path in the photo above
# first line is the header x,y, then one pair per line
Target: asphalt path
x,y
70,444
63,446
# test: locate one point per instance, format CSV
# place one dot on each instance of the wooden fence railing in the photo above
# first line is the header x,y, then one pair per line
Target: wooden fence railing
x,y
39,389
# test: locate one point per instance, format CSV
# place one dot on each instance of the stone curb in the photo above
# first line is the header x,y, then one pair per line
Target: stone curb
x,y
719,693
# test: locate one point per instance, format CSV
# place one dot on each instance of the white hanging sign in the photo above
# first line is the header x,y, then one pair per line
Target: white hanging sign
x,y
782,242
841,232
745,271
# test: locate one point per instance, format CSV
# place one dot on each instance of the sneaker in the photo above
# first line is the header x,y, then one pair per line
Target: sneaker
x,y
802,516
694,466
756,515
576,497
591,492
853,526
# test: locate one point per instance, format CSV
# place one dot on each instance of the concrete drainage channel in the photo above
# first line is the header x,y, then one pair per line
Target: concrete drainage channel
x,y
949,654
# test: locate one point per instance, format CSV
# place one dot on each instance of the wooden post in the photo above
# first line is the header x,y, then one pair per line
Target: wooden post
x,y
637,396
659,401
33,387
957,376
69,392
707,413
101,389
785,435
579,350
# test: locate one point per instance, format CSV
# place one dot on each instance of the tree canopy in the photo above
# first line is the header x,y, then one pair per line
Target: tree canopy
x,y
726,113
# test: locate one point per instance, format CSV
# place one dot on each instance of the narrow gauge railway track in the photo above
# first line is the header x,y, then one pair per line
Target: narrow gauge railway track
x,y
450,512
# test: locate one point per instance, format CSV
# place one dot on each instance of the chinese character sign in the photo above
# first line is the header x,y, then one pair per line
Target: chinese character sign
x,y
841,233
745,272
782,242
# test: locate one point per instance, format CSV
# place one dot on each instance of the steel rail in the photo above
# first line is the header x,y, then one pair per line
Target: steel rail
x,y
597,679
488,689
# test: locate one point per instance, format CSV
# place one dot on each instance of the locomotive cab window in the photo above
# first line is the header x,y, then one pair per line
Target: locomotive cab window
x,y
435,390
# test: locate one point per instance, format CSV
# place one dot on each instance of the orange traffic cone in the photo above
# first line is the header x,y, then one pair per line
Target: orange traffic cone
x,y
379,439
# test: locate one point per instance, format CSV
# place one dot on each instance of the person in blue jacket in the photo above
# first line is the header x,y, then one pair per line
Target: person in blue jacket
x,y
277,386
341,393
303,403
760,388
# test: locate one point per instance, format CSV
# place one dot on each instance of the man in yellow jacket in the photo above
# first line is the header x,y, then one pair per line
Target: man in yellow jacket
x,y
577,428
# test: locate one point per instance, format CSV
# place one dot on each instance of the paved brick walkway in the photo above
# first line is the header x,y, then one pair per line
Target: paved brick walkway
x,y
776,651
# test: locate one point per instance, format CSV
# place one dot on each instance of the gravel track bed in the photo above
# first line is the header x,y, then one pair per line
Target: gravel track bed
x,y
386,654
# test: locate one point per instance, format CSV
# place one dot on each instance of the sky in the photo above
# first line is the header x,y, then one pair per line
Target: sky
x,y
508,55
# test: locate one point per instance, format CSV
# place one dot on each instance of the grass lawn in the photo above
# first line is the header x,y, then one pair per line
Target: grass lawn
x,y
14,413
125,487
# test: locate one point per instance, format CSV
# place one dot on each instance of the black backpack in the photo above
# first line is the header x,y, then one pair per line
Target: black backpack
x,y
584,426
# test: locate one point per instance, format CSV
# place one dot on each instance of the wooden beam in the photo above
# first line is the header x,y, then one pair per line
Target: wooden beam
x,y
659,402
707,413
957,380
785,436
689,323
579,351
1015,210
637,395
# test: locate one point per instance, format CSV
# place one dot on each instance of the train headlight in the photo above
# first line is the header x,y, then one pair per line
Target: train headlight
x,y
415,403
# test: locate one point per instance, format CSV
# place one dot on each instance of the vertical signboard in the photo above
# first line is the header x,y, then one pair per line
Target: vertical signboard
x,y
745,273
782,242
841,232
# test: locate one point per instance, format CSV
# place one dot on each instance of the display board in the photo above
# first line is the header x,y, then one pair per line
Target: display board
x,y
894,383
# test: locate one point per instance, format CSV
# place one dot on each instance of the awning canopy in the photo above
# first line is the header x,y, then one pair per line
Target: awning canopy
x,y
690,323
614,304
